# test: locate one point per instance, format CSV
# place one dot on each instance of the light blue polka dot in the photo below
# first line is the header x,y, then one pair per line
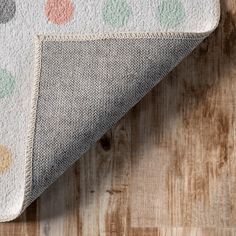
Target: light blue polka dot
x,y
7,83
116,13
171,13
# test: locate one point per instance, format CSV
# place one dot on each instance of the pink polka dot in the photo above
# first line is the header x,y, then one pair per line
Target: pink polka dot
x,y
59,11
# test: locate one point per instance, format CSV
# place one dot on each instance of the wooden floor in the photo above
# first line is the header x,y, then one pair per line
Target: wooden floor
x,y
167,169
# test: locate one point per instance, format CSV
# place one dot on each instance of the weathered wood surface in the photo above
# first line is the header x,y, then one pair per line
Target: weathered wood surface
x,y
167,169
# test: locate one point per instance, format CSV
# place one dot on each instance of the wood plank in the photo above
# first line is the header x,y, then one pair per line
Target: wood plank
x,y
184,140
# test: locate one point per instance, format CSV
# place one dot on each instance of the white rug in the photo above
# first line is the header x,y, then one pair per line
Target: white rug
x,y
57,55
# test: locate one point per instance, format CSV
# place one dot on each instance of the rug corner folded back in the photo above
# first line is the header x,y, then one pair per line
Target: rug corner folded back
x,y
87,69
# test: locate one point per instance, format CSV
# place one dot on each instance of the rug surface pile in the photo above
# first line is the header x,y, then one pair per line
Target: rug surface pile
x,y
70,69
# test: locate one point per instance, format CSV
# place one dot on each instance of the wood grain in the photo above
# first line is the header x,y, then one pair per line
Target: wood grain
x,y
167,169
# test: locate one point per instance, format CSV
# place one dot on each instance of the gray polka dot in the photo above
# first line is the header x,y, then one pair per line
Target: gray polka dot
x,y
7,10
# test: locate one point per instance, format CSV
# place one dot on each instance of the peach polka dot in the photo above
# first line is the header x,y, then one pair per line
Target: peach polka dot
x,y
5,158
59,11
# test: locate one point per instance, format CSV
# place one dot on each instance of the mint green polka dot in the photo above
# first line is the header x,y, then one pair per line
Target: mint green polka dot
x,y
7,83
116,13
171,13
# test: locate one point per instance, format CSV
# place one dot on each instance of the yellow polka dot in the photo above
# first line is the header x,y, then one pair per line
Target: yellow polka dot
x,y
5,158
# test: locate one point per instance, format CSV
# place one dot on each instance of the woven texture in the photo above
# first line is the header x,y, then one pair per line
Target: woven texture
x,y
83,104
